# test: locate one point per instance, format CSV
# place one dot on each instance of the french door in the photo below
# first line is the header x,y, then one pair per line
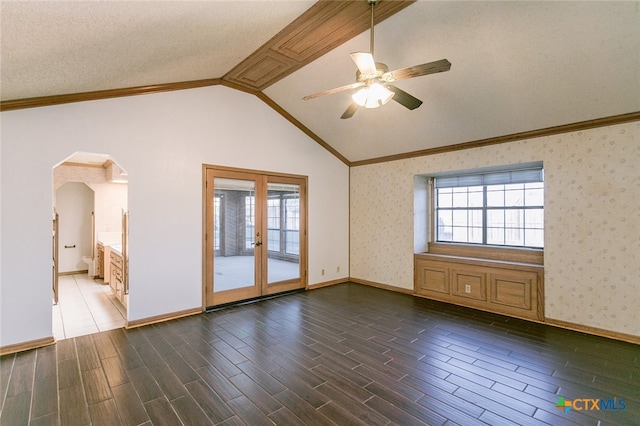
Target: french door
x,y
255,234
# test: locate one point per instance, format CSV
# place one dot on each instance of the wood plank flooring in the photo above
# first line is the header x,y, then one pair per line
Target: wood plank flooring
x,y
346,355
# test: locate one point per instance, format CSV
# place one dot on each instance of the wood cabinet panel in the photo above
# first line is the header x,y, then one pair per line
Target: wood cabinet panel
x,y
513,289
509,288
433,277
116,261
116,277
100,262
469,283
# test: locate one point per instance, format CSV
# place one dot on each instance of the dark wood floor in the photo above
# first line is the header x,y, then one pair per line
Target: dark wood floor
x,y
346,354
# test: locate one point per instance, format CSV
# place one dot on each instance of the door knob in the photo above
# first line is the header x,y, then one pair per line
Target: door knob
x,y
258,243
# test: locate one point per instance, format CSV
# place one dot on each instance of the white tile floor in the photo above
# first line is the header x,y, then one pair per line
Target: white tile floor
x,y
84,307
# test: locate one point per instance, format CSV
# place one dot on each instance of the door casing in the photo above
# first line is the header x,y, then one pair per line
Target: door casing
x,y
261,286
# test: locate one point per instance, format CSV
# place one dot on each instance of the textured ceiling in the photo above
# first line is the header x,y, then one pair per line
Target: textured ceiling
x,y
516,66
62,47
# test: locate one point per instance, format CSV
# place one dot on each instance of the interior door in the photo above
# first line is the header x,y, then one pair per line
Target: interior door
x,y
285,222
255,234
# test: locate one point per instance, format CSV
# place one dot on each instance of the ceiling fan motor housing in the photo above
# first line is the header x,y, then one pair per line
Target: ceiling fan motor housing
x,y
381,69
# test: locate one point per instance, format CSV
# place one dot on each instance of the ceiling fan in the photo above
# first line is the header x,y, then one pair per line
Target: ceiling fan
x,y
374,80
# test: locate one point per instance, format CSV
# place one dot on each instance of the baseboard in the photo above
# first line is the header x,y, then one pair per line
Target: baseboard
x,y
382,286
327,283
26,346
83,271
630,338
162,318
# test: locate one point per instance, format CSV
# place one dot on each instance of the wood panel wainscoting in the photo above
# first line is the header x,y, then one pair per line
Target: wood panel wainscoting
x,y
500,286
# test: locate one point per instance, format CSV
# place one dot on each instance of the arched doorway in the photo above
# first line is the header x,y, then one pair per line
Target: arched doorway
x,y
90,198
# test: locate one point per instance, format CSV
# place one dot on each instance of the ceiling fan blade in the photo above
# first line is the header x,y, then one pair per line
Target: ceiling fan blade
x,y
332,91
365,63
403,98
418,70
351,109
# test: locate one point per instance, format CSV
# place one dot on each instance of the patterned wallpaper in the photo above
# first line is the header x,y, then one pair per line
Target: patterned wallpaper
x,y
592,220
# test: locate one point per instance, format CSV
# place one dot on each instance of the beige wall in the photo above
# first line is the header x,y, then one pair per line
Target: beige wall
x,y
592,225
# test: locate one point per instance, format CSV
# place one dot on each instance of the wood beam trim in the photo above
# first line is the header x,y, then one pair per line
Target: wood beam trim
x,y
238,87
103,94
531,134
323,27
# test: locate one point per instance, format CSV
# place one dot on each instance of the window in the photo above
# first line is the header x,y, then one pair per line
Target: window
x,y
504,208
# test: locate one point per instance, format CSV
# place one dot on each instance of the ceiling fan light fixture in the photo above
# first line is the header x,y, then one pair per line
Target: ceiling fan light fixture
x,y
373,79
373,96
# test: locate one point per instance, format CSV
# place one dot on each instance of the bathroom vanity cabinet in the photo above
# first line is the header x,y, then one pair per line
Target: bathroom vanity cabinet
x,y
116,279
100,261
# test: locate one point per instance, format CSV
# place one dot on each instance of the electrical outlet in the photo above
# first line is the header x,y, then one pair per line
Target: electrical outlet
x,y
467,288
322,273
337,269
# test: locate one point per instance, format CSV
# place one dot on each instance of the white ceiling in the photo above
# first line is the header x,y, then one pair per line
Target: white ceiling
x,y
61,47
516,65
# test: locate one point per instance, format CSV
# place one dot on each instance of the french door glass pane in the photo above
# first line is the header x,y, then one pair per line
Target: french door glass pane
x,y
273,223
216,222
234,234
283,217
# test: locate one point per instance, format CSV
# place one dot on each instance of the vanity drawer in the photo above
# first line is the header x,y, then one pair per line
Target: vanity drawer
x,y
116,260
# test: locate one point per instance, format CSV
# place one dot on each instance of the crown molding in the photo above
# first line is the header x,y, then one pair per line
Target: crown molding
x,y
302,127
530,134
103,94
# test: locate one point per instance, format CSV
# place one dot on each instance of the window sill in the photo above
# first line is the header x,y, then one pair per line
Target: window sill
x,y
506,254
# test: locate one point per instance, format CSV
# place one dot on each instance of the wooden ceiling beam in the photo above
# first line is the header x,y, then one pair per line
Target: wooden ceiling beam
x,y
323,27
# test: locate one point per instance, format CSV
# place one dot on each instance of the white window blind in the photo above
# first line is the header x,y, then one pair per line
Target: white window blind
x,y
528,175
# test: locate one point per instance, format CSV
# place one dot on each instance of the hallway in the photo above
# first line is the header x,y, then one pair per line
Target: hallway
x,y
85,307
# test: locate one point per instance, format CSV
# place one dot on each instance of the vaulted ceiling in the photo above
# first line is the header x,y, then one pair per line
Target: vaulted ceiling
x,y
517,66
